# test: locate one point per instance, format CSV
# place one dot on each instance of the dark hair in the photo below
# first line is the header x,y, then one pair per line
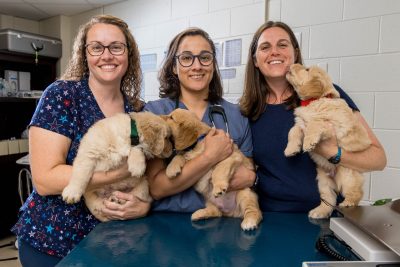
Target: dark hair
x,y
77,67
169,81
253,101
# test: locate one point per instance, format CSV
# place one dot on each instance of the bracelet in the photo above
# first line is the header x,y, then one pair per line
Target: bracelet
x,y
336,159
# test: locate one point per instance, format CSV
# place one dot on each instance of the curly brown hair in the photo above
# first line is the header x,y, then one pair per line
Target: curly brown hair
x,y
253,101
77,67
169,81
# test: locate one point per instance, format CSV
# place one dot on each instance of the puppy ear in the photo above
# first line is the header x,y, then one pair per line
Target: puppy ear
x,y
154,136
152,130
326,82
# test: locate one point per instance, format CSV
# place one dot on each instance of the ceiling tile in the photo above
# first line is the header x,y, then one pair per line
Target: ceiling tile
x,y
22,10
43,9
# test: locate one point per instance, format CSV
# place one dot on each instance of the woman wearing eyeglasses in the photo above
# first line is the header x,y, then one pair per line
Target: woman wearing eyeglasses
x,y
103,78
189,79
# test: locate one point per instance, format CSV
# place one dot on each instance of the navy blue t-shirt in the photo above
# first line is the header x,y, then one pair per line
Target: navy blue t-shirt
x,y
285,183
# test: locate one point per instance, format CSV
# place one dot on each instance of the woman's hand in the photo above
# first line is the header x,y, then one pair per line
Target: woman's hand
x,y
327,148
242,178
371,159
217,146
130,207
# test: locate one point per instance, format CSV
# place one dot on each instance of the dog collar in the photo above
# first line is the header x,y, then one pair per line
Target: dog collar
x,y
134,134
307,102
201,137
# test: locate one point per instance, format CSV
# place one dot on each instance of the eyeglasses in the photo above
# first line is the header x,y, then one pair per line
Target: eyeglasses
x,y
187,59
97,49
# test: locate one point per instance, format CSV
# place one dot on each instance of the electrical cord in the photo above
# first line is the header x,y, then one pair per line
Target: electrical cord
x,y
322,246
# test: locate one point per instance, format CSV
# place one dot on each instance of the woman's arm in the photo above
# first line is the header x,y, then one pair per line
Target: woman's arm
x,y
50,173
218,146
371,159
242,178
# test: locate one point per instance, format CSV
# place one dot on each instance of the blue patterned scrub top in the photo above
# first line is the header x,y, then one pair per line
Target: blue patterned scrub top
x,y
47,223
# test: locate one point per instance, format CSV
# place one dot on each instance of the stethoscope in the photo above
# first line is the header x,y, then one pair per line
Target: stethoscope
x,y
212,111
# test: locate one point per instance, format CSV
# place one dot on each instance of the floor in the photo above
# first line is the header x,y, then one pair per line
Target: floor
x,y
7,252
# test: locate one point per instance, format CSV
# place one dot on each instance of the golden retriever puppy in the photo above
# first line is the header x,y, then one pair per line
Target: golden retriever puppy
x,y
186,129
135,136
322,109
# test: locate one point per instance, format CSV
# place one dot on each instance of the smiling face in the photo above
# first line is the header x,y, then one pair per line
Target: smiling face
x,y
196,78
275,53
106,69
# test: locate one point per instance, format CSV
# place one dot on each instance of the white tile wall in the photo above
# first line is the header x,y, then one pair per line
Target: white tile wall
x,y
225,4
303,38
390,140
365,103
367,186
274,10
253,15
152,84
217,24
145,37
390,36
346,38
385,184
139,13
164,31
188,8
387,111
369,8
379,73
310,12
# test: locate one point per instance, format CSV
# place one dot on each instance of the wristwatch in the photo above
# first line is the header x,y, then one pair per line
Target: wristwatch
x,y
254,186
336,159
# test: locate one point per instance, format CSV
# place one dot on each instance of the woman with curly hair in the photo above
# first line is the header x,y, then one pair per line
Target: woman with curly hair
x,y
103,78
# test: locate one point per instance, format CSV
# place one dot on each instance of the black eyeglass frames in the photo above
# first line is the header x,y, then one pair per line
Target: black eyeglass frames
x,y
187,59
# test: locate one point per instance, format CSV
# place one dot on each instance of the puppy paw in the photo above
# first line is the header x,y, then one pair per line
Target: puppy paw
x,y
291,150
220,189
117,200
173,170
199,215
320,212
348,203
249,224
137,170
72,194
310,142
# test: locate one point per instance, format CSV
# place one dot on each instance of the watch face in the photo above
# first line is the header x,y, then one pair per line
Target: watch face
x,y
334,160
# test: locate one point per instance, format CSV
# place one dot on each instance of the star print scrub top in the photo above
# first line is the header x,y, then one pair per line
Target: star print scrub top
x,y
47,223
